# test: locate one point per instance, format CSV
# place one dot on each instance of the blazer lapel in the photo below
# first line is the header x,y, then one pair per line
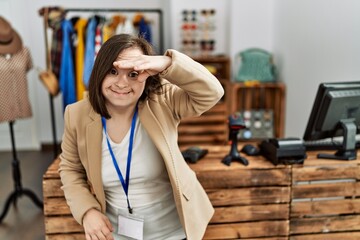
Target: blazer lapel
x,y
94,141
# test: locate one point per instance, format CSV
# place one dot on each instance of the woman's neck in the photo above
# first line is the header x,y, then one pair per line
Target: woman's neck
x,y
123,113
119,123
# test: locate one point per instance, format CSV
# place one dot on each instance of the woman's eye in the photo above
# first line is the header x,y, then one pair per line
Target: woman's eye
x,y
113,71
133,74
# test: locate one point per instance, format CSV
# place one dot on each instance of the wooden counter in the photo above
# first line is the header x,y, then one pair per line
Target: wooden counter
x,y
317,200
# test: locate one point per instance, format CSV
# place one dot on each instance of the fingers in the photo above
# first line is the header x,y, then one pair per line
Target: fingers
x,y
109,225
105,234
137,64
97,226
144,62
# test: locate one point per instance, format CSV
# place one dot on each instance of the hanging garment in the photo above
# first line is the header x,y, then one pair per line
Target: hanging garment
x,y
107,32
89,50
79,58
127,27
67,74
98,38
145,30
56,44
14,99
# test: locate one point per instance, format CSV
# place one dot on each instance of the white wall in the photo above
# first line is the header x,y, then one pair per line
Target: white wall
x,y
221,20
314,41
251,25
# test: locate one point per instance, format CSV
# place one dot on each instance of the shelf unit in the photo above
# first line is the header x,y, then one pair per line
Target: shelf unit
x,y
267,96
211,127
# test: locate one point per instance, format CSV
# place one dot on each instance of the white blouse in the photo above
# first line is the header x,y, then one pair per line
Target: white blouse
x,y
150,193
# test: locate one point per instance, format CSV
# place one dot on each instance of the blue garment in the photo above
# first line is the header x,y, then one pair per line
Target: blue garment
x,y
67,73
145,30
89,50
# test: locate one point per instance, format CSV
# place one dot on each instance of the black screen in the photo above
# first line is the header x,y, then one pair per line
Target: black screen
x,y
333,102
336,112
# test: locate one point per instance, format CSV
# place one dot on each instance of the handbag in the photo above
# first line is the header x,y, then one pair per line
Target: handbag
x,y
47,77
50,81
256,64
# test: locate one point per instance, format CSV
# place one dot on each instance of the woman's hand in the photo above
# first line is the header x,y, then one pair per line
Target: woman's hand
x,y
97,226
145,64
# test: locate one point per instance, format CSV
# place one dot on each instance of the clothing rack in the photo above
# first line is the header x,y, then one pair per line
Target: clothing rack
x,y
148,10
99,10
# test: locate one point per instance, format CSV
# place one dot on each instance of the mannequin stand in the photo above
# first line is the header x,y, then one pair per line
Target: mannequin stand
x,y
19,191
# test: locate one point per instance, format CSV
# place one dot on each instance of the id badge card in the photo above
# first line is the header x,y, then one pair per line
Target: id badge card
x,y
131,226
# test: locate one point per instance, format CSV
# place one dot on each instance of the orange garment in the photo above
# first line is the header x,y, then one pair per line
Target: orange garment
x,y
79,58
107,32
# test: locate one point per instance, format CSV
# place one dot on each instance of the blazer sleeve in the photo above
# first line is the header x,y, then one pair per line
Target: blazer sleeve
x,y
196,90
73,175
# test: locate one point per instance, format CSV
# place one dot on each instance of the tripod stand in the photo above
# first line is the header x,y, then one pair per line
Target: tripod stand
x,y
19,190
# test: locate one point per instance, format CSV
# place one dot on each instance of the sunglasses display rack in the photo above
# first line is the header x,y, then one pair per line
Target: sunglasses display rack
x,y
198,31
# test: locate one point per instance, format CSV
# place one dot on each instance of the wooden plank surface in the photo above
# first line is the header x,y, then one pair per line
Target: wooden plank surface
x,y
344,171
325,224
328,236
247,230
62,224
325,207
323,190
52,171
249,196
66,236
56,206
52,188
244,178
236,214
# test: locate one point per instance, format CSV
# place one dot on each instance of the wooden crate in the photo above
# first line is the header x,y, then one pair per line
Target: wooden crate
x,y
209,128
325,199
59,223
261,96
250,201
221,64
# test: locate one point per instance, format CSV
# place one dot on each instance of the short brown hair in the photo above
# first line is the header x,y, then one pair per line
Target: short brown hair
x,y
104,63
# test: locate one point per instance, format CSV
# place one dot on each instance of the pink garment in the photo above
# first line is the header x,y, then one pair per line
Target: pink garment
x,y
14,98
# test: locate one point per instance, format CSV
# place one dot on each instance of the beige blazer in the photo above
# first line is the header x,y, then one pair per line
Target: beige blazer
x,y
193,90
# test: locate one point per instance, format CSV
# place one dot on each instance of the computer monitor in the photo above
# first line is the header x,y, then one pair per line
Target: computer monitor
x,y
336,112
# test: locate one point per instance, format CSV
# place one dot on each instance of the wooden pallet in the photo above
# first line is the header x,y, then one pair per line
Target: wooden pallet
x,y
268,96
325,200
250,201
59,223
209,128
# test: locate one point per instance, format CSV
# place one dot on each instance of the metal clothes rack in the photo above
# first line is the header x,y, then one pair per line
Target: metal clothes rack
x,y
144,10
99,10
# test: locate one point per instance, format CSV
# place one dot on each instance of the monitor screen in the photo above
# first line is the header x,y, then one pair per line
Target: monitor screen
x,y
335,112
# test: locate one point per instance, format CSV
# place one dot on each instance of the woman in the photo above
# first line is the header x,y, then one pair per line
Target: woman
x,y
122,171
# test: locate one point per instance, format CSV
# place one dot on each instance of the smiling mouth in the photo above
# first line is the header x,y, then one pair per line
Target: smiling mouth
x,y
120,92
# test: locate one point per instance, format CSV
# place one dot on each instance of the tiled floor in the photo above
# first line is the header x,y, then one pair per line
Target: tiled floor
x,y
25,221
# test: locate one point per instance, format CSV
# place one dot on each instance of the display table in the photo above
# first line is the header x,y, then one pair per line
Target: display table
x,y
317,200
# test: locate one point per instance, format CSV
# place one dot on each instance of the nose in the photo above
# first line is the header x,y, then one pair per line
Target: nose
x,y
122,80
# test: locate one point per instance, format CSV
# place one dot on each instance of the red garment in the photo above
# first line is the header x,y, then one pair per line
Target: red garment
x,y
98,39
